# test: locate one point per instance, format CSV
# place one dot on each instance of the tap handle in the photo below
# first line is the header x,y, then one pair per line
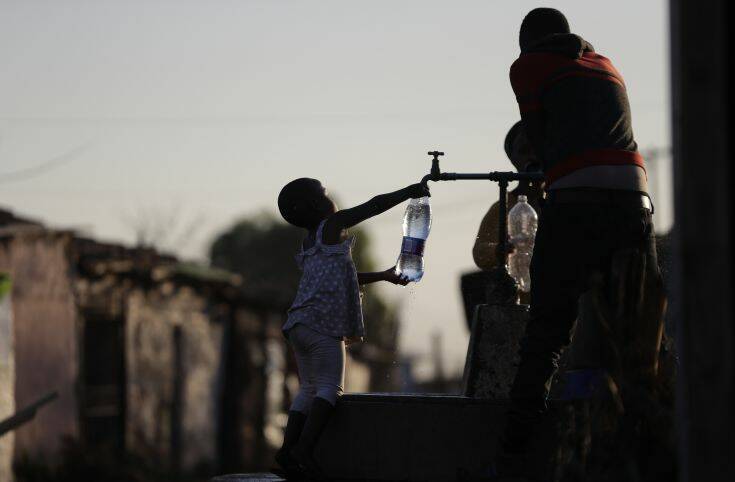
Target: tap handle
x,y
436,154
435,171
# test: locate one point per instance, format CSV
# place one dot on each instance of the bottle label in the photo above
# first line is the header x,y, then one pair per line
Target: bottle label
x,y
413,246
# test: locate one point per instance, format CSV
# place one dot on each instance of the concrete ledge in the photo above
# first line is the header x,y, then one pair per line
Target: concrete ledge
x,y
263,477
426,438
409,437
412,398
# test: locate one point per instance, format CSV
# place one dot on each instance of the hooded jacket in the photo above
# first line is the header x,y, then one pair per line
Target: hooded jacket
x,y
579,104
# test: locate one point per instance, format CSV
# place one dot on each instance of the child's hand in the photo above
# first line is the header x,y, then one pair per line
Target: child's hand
x,y
349,340
418,190
391,276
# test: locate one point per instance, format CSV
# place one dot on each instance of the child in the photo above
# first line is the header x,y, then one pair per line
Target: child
x,y
326,312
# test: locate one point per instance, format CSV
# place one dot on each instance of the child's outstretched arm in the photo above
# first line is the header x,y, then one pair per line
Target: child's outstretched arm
x,y
347,218
388,275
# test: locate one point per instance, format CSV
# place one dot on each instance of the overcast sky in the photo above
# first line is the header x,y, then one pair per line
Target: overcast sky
x,y
202,110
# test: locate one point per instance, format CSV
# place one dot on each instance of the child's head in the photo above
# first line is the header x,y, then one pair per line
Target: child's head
x,y
304,203
519,150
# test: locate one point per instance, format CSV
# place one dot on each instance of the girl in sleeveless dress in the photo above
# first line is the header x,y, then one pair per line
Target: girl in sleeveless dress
x,y
326,312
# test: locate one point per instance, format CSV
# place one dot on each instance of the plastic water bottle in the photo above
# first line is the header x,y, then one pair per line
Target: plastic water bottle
x,y
416,227
522,224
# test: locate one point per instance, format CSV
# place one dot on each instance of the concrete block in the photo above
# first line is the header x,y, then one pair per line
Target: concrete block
x,y
492,354
409,437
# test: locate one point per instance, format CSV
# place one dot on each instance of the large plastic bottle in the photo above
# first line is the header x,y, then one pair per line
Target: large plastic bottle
x,y
416,227
522,224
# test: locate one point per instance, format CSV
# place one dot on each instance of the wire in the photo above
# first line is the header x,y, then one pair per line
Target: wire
x,y
44,167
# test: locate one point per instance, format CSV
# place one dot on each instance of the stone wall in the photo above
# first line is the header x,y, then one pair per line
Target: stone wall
x,y
243,445
46,342
203,372
174,370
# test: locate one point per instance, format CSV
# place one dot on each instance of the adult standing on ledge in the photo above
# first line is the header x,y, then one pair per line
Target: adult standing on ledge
x,y
575,112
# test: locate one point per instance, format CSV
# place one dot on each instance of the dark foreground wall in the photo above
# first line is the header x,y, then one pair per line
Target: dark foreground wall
x,y
702,70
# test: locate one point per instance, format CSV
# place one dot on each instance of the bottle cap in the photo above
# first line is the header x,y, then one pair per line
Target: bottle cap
x,y
522,198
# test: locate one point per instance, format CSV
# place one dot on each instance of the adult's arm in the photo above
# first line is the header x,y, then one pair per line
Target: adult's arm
x,y
347,218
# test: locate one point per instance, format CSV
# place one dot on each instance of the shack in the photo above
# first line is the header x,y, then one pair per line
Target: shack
x,y
176,365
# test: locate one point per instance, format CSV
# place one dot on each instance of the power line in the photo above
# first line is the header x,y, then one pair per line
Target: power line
x,y
44,167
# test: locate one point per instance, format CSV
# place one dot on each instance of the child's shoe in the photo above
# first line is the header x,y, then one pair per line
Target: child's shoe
x,y
303,452
294,427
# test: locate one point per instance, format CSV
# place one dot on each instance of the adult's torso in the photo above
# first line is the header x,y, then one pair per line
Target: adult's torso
x,y
586,136
588,120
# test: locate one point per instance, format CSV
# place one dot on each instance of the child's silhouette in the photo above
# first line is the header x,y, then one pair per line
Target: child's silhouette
x,y
326,312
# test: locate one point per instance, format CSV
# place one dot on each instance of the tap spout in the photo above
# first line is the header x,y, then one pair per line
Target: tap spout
x,y
496,176
436,175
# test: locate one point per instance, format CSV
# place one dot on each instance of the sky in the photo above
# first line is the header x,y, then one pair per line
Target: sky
x,y
193,114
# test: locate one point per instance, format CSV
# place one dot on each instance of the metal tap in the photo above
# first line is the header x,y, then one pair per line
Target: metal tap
x,y
504,289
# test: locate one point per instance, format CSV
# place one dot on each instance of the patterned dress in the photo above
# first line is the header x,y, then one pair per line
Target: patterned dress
x,y
328,299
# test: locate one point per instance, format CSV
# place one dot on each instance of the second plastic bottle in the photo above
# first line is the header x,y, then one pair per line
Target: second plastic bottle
x,y
522,224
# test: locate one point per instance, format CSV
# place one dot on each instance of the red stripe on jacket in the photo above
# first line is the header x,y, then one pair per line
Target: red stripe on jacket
x,y
532,73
